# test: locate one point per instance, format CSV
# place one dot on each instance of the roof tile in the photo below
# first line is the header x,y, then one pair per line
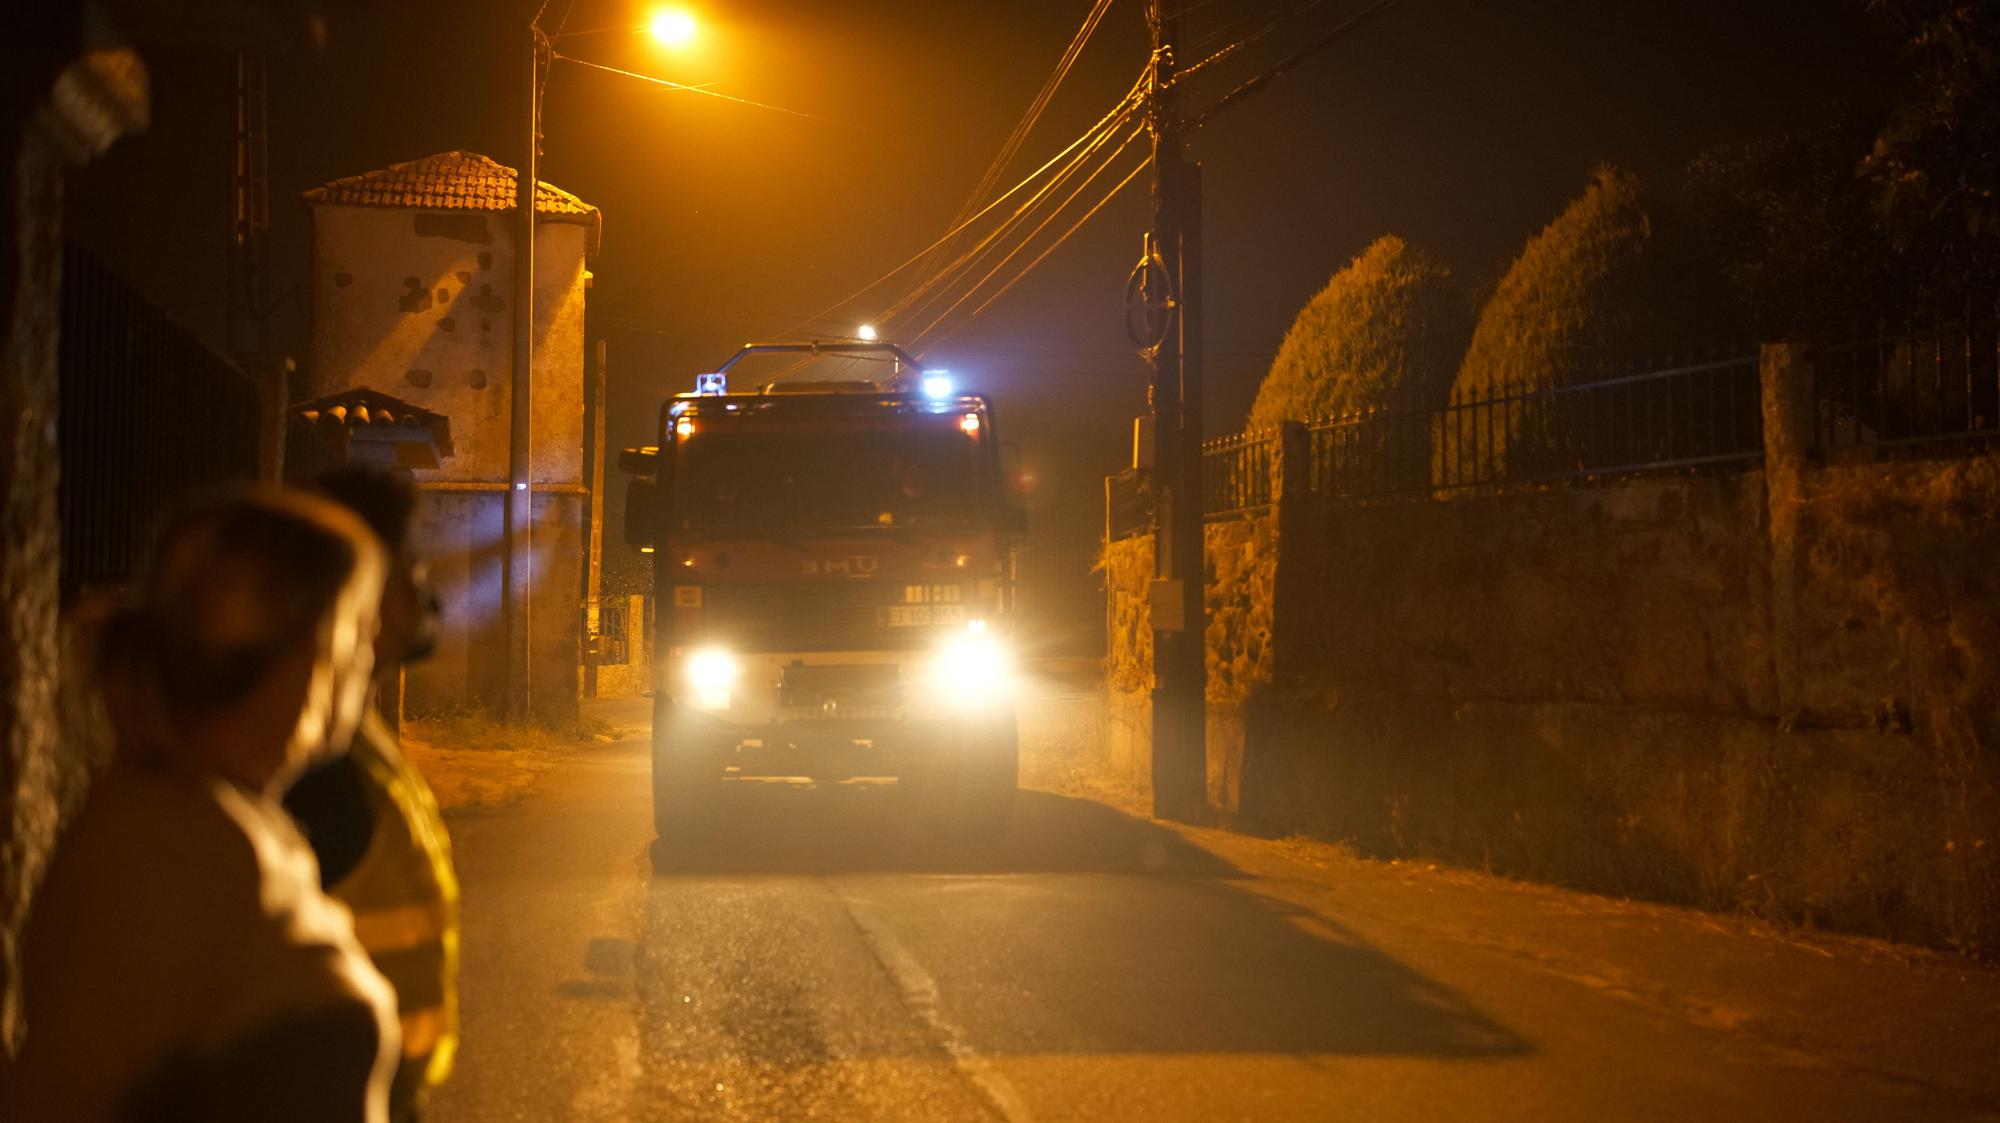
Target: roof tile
x,y
455,180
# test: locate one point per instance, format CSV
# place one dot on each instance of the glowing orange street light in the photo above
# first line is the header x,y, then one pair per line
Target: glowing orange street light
x,y
672,27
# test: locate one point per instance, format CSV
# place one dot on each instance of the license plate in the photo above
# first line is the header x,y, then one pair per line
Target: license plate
x,y
925,615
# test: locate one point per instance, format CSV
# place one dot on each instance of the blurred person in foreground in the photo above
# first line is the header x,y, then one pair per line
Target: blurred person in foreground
x,y
181,960
373,821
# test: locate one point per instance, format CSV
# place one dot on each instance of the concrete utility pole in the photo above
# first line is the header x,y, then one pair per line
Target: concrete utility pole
x,y
517,559
1180,768
248,309
593,581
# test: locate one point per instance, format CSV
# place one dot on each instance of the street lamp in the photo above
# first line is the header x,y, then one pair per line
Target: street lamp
x,y
671,27
866,333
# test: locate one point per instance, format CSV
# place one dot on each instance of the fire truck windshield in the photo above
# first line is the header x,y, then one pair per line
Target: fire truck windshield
x,y
745,483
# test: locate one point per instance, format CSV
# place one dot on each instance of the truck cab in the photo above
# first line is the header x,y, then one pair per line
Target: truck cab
x,y
833,565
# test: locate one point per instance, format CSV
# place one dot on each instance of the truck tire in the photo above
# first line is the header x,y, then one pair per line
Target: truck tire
x,y
687,773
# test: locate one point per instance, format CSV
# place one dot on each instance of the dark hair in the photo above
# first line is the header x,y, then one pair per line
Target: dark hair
x,y
238,580
385,500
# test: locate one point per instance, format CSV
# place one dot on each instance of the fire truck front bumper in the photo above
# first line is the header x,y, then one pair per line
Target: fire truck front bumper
x,y
834,697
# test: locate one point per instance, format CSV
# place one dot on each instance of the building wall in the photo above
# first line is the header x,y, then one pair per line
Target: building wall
x,y
418,305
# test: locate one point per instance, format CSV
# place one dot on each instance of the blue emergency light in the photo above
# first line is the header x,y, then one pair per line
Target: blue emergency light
x,y
711,383
937,385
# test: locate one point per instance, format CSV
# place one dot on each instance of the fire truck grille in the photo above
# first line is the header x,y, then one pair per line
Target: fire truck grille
x,y
806,616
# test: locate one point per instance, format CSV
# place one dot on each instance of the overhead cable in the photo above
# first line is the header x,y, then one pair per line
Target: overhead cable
x,y
1057,244
1028,120
1340,31
706,92
965,261
1029,237
1088,135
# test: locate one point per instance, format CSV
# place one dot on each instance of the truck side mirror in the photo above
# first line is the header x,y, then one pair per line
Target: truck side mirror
x,y
643,461
642,514
1013,521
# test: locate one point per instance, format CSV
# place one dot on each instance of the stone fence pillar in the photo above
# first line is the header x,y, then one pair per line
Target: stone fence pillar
x,y
1785,376
1291,488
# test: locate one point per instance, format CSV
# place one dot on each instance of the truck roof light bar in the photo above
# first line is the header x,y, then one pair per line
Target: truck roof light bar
x,y
825,347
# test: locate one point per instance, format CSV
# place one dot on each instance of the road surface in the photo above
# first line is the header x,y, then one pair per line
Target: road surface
x,y
822,959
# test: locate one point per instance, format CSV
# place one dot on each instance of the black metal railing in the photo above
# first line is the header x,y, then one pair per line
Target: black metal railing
x,y
1236,473
149,415
1939,385
1691,416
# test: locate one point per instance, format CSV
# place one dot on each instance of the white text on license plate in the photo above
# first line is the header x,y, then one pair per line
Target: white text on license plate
x,y
925,615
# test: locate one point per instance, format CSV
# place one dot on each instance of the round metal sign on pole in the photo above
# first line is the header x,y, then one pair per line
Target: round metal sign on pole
x,y
1149,303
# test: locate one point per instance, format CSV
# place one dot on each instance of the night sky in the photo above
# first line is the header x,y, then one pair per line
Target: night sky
x,y
1462,125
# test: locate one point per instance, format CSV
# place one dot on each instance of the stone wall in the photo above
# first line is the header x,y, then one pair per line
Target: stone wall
x,y
1128,662
1776,691
61,105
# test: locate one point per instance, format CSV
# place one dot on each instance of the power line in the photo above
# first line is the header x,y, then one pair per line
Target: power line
x,y
1107,120
1074,227
706,92
965,262
1340,31
1030,236
1035,109
1184,73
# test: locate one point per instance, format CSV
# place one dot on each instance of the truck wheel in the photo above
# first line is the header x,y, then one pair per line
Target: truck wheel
x,y
687,771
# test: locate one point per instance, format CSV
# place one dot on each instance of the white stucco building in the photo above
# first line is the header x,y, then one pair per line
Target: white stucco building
x,y
412,287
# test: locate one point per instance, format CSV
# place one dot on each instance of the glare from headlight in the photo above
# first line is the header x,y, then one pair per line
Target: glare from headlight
x,y
711,672
973,668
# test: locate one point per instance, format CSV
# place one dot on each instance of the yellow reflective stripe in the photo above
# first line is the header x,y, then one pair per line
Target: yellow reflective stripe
x,y
422,1030
399,927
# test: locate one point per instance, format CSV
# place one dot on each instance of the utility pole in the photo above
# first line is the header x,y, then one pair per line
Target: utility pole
x,y
1180,758
593,580
517,518
248,275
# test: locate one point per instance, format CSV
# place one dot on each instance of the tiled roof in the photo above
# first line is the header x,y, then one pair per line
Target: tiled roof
x,y
455,180
365,408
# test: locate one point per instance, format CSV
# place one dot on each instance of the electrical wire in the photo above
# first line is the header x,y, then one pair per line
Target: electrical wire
x,y
935,285
705,92
1057,244
1107,121
1279,68
1033,116
1029,237
1183,73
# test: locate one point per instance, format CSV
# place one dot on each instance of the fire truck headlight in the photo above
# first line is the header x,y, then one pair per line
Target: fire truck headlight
x,y
973,669
711,675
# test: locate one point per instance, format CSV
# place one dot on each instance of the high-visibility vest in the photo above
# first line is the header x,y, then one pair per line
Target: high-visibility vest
x,y
404,896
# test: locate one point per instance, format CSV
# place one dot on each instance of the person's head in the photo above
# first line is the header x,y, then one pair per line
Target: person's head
x,y
386,501
248,652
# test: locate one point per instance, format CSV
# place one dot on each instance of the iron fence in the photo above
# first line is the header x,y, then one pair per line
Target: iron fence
x,y
1236,473
1935,386
148,415
1704,414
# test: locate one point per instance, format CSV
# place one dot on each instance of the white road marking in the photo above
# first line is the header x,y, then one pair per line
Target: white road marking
x,y
919,993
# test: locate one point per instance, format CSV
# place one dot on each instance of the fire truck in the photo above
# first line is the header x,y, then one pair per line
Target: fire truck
x,y
833,575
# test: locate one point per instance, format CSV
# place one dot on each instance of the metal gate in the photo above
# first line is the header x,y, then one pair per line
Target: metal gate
x,y
148,415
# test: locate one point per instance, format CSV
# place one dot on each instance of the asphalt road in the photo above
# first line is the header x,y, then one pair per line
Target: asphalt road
x,y
821,958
